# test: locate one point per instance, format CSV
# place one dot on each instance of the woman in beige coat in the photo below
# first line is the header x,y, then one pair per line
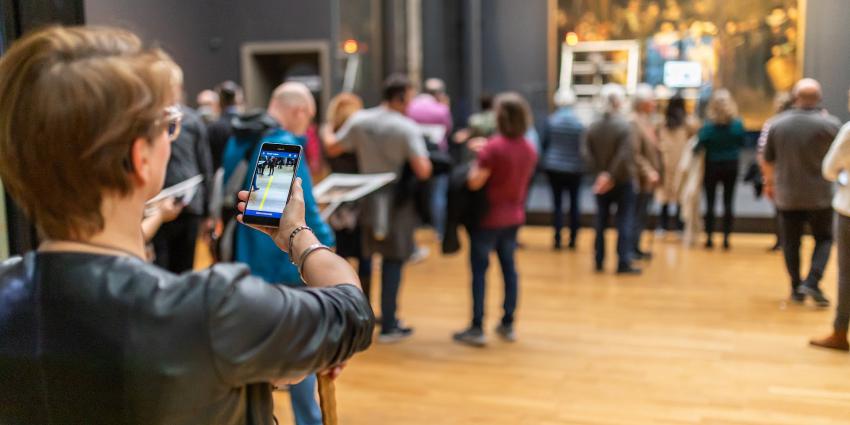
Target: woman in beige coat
x,y
673,138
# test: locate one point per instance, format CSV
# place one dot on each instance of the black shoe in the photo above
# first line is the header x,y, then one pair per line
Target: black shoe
x,y
598,268
815,293
471,336
640,255
572,245
797,297
628,269
506,332
726,245
709,244
395,334
556,245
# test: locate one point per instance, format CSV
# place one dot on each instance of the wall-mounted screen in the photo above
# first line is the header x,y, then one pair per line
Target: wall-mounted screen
x,y
682,74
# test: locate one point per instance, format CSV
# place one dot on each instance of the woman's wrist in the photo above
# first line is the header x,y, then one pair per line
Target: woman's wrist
x,y
283,237
301,241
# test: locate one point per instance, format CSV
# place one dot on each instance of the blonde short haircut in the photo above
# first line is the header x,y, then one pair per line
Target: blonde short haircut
x,y
342,107
721,107
72,101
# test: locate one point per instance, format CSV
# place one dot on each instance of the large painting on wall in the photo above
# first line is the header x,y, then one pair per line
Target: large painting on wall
x,y
750,47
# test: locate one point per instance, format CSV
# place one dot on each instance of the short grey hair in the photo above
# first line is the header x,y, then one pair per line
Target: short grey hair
x,y
612,96
435,86
643,93
565,96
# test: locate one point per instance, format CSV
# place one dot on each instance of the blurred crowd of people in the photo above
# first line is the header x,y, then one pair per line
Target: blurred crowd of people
x,y
639,155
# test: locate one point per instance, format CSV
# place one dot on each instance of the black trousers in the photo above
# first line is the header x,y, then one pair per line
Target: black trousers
x,y
174,243
570,182
717,173
791,224
644,202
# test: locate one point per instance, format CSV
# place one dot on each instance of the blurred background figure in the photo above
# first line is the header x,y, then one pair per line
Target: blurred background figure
x,y
345,221
505,165
231,101
431,107
648,158
208,106
175,242
722,137
386,140
563,163
836,167
797,142
782,102
673,135
611,157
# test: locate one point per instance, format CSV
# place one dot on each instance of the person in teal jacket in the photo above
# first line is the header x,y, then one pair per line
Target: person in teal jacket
x,y
293,108
722,138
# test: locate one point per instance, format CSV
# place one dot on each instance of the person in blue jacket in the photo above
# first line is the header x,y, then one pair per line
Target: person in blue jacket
x,y
292,107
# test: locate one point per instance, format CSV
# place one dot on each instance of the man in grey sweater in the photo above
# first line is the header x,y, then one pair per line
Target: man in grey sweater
x,y
610,154
797,143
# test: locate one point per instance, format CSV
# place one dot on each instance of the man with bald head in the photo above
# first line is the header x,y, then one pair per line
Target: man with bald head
x,y
797,143
290,112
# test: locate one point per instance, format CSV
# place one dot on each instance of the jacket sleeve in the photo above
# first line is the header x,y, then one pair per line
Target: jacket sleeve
x,y
836,159
642,152
233,153
260,332
624,153
769,151
203,155
702,138
587,154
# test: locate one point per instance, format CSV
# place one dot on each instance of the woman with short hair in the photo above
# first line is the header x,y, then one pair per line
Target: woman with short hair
x,y
722,138
93,334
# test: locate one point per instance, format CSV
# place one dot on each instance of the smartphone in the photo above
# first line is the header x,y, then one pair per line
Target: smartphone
x,y
271,184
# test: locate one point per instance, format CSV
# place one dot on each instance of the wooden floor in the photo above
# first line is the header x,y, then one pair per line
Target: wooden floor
x,y
701,338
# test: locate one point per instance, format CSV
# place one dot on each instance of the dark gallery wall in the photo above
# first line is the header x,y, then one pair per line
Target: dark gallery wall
x,y
514,50
205,36
827,51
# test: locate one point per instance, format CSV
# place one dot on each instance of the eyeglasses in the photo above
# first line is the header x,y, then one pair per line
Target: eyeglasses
x,y
173,120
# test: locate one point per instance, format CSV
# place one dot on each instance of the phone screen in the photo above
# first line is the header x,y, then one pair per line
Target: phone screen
x,y
271,183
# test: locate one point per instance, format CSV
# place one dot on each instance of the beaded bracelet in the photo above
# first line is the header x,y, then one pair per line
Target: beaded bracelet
x,y
292,240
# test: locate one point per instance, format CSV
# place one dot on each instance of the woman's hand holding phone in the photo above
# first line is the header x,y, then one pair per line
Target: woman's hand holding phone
x,y
292,218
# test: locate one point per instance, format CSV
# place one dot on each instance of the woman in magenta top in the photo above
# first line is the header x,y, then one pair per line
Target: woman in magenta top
x,y
505,165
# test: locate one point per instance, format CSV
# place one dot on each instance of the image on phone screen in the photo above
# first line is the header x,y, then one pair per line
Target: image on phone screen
x,y
271,183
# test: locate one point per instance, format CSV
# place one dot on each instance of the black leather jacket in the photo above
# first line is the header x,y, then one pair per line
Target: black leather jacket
x,y
95,339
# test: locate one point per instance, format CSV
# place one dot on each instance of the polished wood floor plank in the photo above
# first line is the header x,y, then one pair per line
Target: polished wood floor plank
x,y
700,338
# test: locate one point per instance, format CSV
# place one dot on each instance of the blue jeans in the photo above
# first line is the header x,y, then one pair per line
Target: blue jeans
x,y
390,284
305,408
624,197
439,199
503,241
